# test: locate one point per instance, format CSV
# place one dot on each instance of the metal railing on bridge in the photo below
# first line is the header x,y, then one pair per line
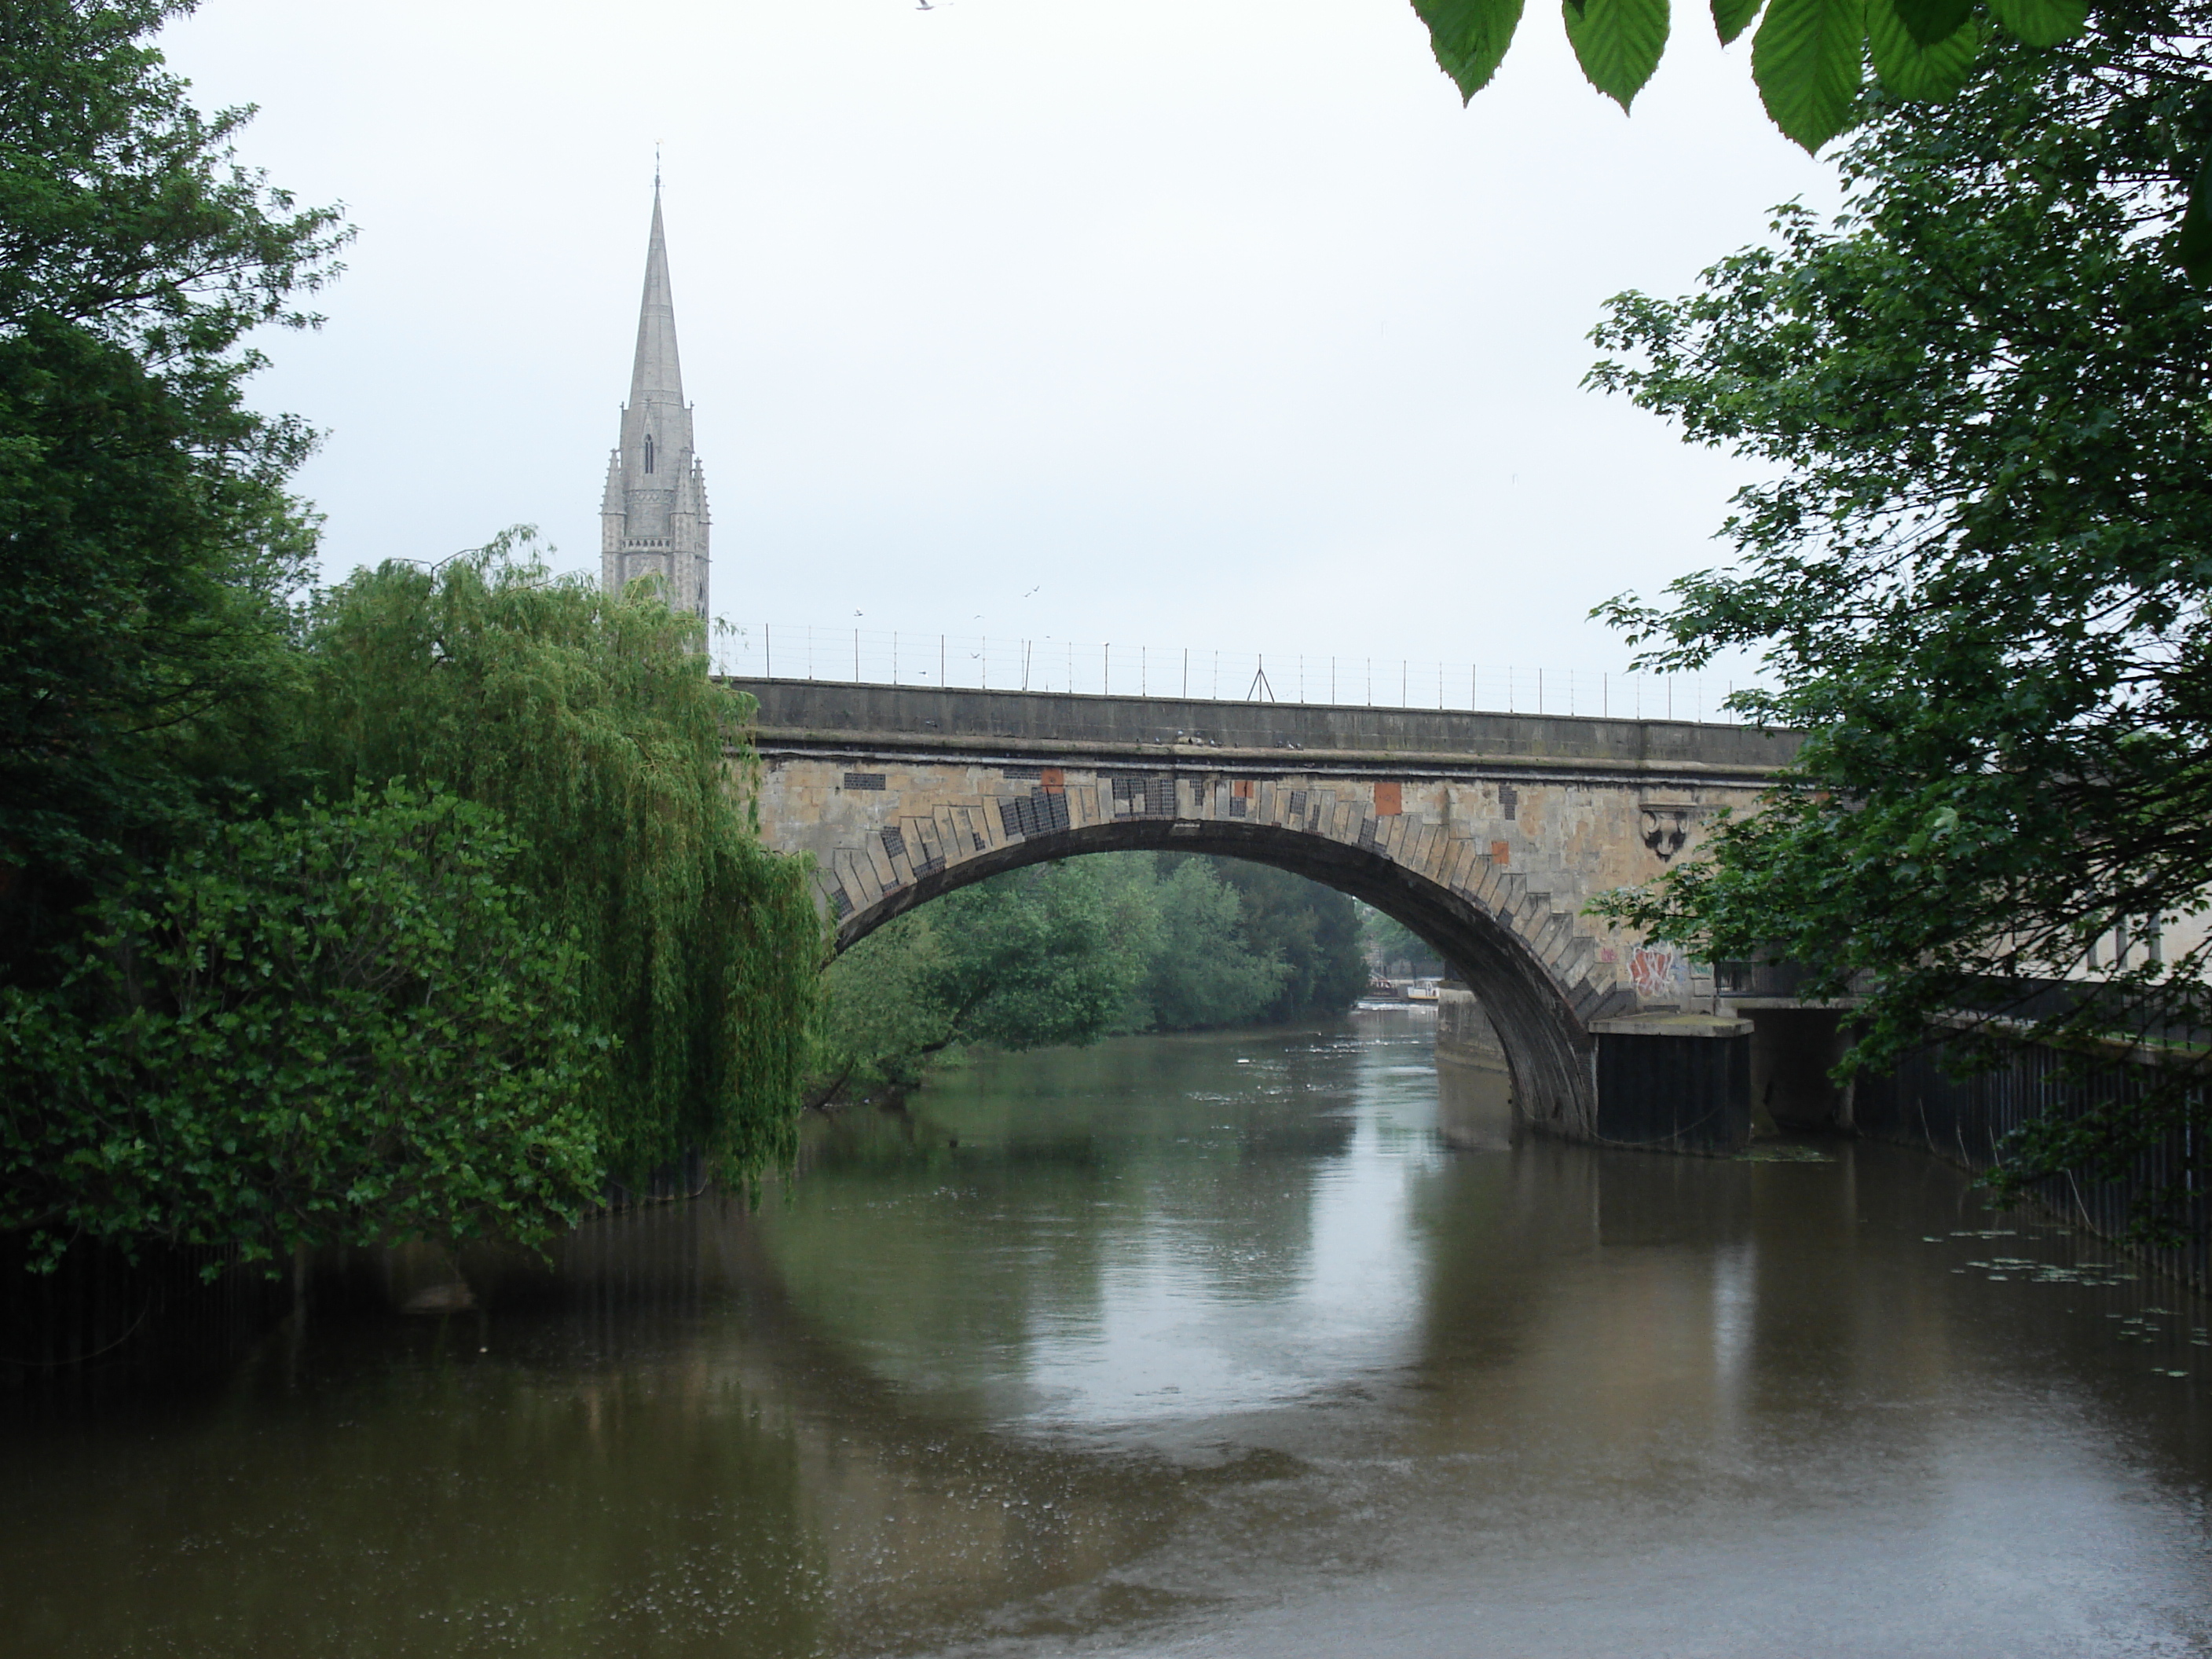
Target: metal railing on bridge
x,y
892,657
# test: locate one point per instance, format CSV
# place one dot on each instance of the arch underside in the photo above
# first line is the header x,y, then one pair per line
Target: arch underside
x,y
1548,1042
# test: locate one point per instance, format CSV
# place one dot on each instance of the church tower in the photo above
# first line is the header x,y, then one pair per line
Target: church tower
x,y
653,518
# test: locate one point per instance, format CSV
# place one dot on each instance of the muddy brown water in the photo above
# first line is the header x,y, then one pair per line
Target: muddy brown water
x,y
1187,1346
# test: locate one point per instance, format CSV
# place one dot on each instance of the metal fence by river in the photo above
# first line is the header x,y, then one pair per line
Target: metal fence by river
x,y
1965,1115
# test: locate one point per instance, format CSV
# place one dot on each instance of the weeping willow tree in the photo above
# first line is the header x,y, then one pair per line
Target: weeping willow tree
x,y
591,724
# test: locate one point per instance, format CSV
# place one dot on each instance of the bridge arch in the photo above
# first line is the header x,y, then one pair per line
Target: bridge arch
x,y
1548,1047
1487,834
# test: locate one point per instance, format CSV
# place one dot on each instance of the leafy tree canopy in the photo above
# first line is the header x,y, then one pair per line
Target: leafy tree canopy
x,y
1024,960
1203,970
339,1025
1067,953
147,544
1313,931
1810,60
591,964
591,724
1395,947
1979,571
124,209
143,582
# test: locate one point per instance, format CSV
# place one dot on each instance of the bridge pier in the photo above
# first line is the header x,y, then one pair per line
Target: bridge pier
x,y
1676,1082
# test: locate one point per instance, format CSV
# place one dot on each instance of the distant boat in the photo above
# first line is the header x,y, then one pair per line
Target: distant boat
x,y
1396,993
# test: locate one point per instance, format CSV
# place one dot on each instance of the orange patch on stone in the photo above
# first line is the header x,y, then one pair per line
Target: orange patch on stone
x,y
1500,853
1390,799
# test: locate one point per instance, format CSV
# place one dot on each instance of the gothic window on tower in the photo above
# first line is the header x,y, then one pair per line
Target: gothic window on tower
x,y
648,451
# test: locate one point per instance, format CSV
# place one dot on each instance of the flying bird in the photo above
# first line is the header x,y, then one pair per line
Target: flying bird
x,y
1034,592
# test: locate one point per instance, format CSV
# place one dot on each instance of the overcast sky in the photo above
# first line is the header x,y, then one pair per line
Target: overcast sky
x,y
1206,323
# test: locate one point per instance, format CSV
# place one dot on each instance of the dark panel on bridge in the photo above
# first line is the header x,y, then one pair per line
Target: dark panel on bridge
x,y
826,708
1686,1087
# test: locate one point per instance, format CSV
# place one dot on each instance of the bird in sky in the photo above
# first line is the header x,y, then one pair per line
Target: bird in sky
x,y
1034,592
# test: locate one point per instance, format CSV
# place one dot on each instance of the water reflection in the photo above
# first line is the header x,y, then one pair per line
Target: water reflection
x,y
1192,1345
1162,1229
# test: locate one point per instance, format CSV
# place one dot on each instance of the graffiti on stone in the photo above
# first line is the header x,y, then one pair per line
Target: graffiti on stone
x,y
1657,970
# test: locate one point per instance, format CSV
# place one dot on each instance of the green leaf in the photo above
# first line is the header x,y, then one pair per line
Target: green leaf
x,y
2192,247
1930,22
1469,37
2042,23
1617,43
1911,69
1732,17
1807,59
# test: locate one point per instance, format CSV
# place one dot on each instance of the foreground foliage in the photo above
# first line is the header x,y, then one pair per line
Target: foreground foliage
x,y
334,1026
1808,58
591,724
227,1022
1979,576
147,546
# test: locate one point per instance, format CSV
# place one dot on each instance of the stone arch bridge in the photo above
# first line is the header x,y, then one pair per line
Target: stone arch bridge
x,y
1486,834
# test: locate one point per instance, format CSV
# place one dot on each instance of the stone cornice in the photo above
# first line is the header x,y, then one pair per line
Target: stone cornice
x,y
885,748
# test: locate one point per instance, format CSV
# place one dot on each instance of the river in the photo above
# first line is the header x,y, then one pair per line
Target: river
x,y
1187,1345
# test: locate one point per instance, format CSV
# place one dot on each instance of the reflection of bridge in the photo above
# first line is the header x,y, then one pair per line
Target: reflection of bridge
x,y
1485,834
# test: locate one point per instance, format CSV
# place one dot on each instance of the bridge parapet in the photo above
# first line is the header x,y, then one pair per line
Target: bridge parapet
x,y
1122,726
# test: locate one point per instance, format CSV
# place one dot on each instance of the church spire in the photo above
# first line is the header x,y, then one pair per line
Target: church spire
x,y
657,373
653,515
